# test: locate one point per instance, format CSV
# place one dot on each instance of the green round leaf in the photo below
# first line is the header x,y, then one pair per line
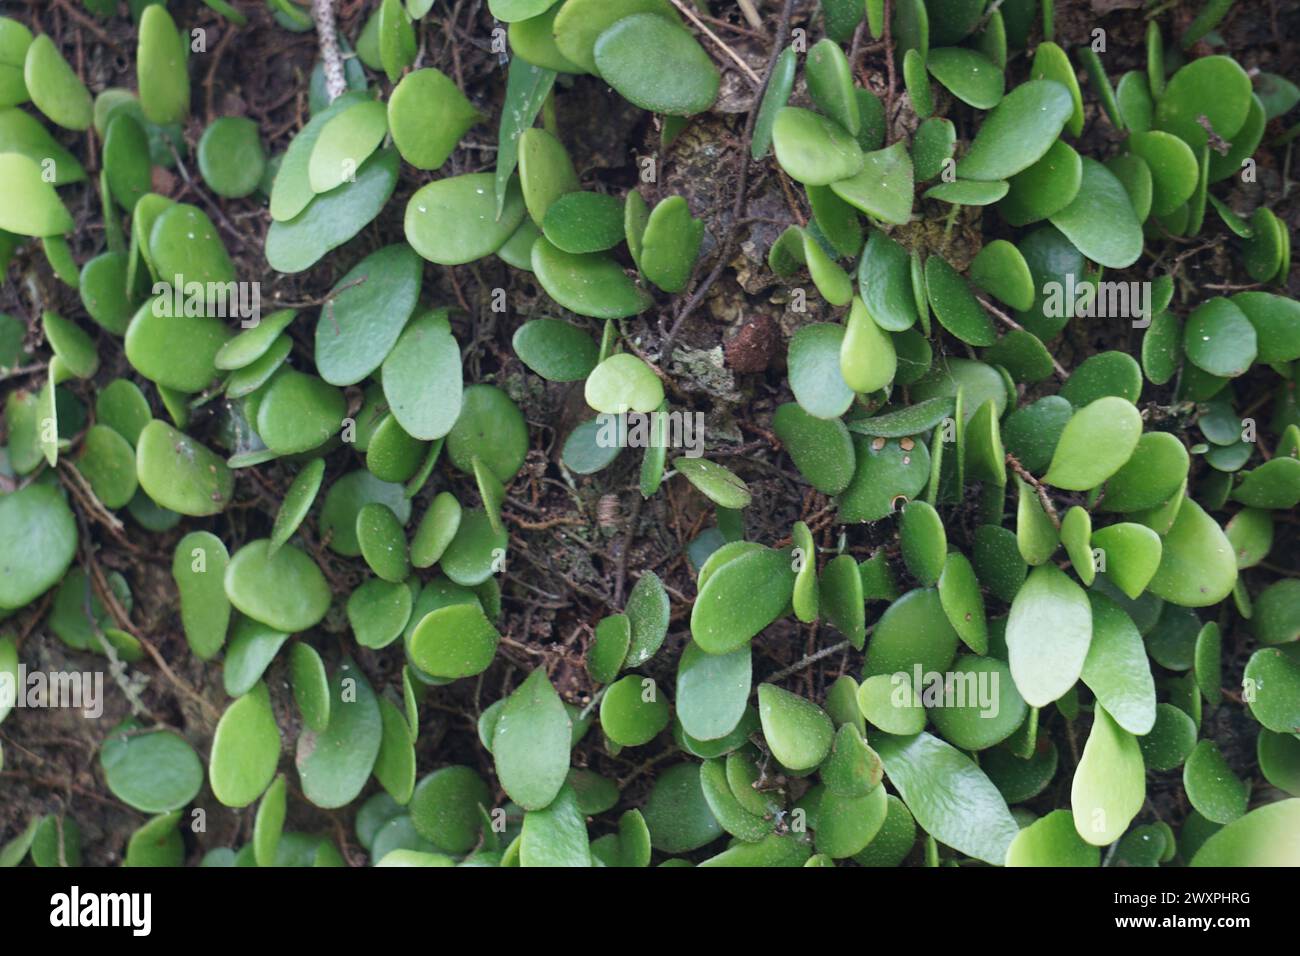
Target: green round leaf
x,y
364,316
812,149
199,569
1212,788
883,189
867,357
383,542
1219,338
1096,442
632,712
445,808
1264,837
1051,841
298,412
1049,631
54,86
814,370
470,201
334,765
581,222
490,427
310,685
346,497
950,797
984,707
1109,785
378,611
741,598
1273,676
712,690
797,731
624,383
1018,131
475,552
1215,87
1154,472
153,772
1197,565
231,158
179,473
245,749
1116,668
971,77
31,206
107,462
670,244
593,284
1100,220
608,648
555,350
454,641
656,65
286,591
1170,740
913,631
427,115
161,68
530,743
821,449
300,240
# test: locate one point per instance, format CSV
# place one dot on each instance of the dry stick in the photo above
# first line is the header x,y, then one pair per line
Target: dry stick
x,y
807,661
8,373
208,80
89,24
1024,473
322,11
123,620
742,185
1061,373
642,768
80,488
735,57
620,570
751,15
207,201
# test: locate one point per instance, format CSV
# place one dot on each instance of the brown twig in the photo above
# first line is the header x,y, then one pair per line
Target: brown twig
x,y
1043,497
76,483
806,661
750,14
123,621
620,569
1061,373
19,372
732,54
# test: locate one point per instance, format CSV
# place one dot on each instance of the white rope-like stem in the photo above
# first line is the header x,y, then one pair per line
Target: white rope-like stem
x,y
322,11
